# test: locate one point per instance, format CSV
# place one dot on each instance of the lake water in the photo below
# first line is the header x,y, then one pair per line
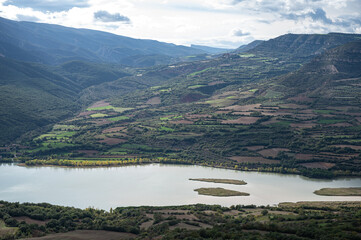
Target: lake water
x,y
155,185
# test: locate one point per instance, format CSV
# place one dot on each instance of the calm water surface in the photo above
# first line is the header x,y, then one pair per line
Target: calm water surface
x,y
155,185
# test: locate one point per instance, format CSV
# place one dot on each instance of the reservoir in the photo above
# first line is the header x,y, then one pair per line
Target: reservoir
x,y
155,185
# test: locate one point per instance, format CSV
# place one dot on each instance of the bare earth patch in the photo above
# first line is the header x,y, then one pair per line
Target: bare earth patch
x,y
304,156
112,141
272,152
271,121
244,159
87,235
321,165
241,120
154,101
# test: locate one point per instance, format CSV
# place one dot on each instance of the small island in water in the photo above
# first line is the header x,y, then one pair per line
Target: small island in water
x,y
216,180
219,192
352,191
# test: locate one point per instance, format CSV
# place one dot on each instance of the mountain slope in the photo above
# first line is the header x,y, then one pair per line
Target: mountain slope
x,y
33,95
53,44
302,46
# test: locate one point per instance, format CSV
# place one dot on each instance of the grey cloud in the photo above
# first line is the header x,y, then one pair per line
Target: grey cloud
x,y
27,18
105,16
319,15
48,5
240,33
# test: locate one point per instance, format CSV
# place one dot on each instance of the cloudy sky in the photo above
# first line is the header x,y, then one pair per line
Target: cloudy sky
x,y
218,23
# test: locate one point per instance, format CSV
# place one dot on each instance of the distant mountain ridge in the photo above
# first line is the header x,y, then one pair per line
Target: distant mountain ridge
x,y
54,44
303,45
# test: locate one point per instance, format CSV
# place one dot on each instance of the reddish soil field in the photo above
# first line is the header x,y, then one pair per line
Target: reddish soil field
x,y
30,221
254,148
272,152
87,235
322,165
192,97
243,159
303,156
99,104
242,120
271,121
182,122
240,108
112,141
115,129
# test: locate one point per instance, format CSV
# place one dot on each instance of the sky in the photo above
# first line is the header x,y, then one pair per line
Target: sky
x,y
216,23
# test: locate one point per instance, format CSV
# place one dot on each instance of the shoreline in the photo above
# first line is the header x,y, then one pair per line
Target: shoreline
x,y
22,164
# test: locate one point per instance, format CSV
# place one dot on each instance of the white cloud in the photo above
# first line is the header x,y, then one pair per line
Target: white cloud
x,y
219,23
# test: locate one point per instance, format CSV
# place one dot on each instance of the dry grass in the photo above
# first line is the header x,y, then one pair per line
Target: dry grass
x,y
339,191
219,192
154,101
215,180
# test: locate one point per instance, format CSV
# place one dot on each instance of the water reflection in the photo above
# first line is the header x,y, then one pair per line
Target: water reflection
x,y
155,184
